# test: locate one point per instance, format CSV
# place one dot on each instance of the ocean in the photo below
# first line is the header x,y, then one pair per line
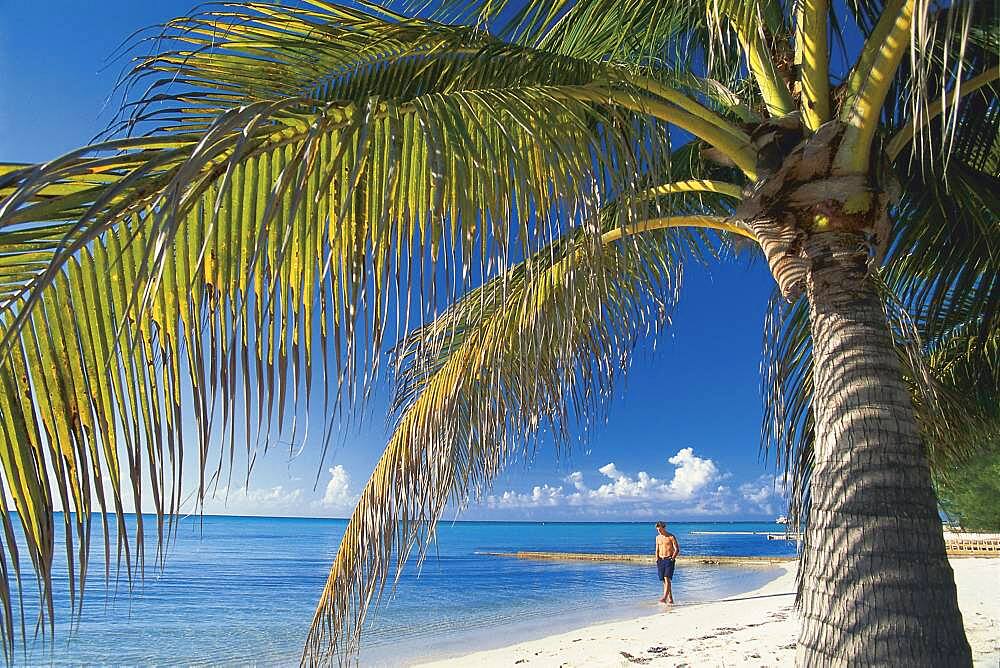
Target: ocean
x,y
242,590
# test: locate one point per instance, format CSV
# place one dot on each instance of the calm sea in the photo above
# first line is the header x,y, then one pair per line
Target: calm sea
x,y
241,591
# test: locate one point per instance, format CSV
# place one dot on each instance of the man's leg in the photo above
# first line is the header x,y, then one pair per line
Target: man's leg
x,y
667,591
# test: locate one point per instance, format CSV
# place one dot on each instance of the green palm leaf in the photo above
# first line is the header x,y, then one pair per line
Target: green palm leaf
x,y
275,211
514,363
294,177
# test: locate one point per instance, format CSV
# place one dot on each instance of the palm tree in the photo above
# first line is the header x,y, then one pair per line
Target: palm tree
x,y
945,334
509,192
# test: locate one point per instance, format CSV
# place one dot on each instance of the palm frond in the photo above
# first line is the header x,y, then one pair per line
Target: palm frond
x,y
969,366
513,364
945,264
290,179
712,38
944,89
287,178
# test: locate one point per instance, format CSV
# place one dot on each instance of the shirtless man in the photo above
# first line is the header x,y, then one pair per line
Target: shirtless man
x,y
667,550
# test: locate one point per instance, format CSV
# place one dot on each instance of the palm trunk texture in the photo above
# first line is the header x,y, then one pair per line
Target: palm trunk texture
x,y
877,588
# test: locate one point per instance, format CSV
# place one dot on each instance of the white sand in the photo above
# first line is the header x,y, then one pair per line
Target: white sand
x,y
758,628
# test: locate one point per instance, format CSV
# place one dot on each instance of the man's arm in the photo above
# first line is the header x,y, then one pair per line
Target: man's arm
x,y
676,546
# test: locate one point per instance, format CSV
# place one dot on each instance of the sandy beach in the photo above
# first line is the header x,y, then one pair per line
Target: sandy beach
x,y
758,628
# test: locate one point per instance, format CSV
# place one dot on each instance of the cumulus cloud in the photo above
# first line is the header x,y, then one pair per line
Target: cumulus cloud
x,y
540,496
767,493
576,479
277,500
280,500
611,471
756,493
338,494
692,473
624,486
641,491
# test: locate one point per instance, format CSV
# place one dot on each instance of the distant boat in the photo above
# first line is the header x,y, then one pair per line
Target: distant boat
x,y
781,520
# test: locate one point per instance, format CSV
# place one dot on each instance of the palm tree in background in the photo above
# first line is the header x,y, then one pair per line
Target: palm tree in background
x,y
508,192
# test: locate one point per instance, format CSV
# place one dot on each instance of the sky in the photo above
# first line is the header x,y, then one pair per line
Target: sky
x,y
682,439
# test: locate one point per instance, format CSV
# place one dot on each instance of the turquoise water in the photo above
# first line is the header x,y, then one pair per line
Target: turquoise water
x,y
241,591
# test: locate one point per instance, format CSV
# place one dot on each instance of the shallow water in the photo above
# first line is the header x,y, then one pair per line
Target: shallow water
x,y
241,591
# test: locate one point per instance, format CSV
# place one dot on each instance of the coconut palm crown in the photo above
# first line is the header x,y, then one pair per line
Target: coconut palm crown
x,y
508,192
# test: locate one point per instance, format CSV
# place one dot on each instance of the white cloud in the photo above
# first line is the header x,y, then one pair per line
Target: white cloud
x,y
338,495
692,486
611,471
767,493
692,473
540,496
338,499
641,492
755,493
626,487
277,500
576,478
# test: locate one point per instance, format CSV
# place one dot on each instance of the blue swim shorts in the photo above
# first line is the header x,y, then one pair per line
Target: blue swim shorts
x,y
664,568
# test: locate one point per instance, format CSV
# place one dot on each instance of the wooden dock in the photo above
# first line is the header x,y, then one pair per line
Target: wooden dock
x,y
641,558
770,535
731,533
959,545
972,544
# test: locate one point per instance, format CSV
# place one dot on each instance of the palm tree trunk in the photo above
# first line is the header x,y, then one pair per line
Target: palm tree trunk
x,y
877,588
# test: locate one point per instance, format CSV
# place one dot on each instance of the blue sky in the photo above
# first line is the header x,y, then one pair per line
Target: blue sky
x,y
682,441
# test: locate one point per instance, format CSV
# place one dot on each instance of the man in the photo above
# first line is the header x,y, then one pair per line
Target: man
x,y
667,550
